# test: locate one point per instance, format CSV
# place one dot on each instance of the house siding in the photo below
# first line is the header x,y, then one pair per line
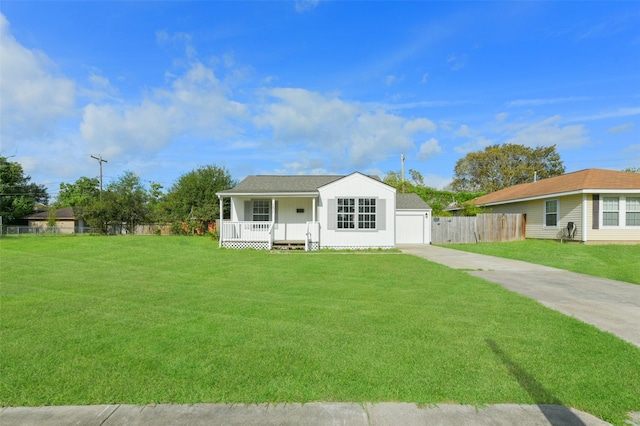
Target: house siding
x,y
570,211
64,226
358,186
608,234
290,225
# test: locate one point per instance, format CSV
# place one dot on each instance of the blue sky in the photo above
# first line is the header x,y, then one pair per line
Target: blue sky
x,y
313,87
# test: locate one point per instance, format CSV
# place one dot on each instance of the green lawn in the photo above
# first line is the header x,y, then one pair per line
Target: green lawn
x,y
617,262
105,320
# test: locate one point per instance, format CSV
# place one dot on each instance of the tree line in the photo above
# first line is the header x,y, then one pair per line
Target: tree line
x,y
189,205
191,202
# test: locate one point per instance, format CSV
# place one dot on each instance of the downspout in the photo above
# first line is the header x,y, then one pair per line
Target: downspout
x,y
221,219
584,218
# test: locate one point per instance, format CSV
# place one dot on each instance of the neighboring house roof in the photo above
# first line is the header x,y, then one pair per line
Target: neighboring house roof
x,y
410,202
583,181
61,214
270,184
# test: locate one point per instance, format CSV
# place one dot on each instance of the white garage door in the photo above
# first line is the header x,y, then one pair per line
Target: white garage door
x,y
410,229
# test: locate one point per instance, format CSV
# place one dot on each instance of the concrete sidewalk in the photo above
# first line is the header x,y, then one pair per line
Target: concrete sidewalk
x,y
612,306
311,414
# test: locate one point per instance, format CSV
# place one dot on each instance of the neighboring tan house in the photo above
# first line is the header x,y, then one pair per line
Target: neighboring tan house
x,y
65,220
602,205
341,212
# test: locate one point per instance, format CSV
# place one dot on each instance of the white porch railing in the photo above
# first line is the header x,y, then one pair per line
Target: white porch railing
x,y
312,240
257,235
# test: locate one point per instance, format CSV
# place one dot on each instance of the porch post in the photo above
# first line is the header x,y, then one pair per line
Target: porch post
x,y
583,227
273,210
221,218
313,210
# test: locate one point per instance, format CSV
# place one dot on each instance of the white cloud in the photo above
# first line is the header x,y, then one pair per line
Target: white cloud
x,y
429,149
478,143
181,39
352,134
549,132
502,117
548,101
306,5
622,128
196,104
463,131
33,96
456,61
435,181
420,125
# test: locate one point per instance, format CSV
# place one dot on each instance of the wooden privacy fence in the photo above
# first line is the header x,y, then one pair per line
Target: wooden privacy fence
x,y
484,228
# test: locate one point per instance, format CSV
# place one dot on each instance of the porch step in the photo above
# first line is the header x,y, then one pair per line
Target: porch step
x,y
288,245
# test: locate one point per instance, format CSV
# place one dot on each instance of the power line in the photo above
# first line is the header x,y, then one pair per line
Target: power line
x,y
100,160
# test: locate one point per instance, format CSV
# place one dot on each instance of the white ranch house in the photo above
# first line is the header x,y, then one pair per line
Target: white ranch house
x,y
340,212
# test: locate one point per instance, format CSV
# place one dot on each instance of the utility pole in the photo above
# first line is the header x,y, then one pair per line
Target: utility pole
x,y
402,172
100,160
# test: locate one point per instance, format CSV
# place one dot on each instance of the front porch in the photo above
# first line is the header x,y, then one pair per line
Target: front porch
x,y
261,235
262,221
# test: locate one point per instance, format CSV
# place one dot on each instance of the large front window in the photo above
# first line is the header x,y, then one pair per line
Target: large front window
x,y
633,211
349,218
261,211
610,211
346,213
367,213
551,213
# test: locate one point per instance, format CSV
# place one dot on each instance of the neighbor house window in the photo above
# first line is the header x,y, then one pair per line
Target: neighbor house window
x,y
551,213
346,213
610,211
261,211
367,213
633,211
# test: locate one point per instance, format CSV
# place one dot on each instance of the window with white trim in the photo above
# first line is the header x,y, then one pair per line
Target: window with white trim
x,y
367,213
261,211
364,218
610,211
633,211
551,209
346,213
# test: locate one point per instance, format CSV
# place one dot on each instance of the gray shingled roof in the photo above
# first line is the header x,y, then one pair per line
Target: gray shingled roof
x,y
271,184
64,213
410,202
280,184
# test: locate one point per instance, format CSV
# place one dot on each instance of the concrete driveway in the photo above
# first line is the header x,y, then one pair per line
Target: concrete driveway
x,y
612,306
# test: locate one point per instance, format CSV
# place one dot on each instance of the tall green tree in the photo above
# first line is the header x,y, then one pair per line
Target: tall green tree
x,y
18,196
437,199
78,193
192,201
501,166
127,200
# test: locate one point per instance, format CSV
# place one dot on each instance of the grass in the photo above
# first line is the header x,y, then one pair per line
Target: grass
x,y
616,262
106,320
